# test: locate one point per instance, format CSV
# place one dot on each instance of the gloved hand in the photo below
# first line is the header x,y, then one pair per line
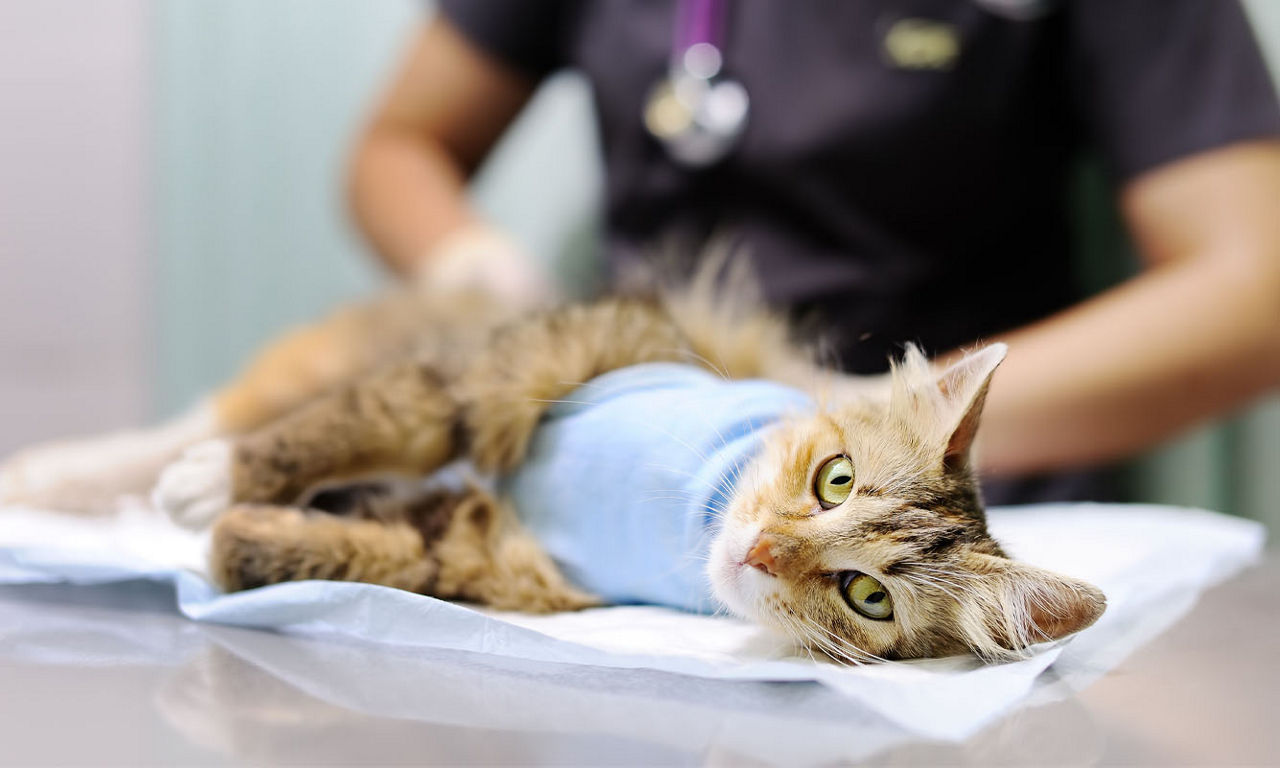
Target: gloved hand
x,y
481,259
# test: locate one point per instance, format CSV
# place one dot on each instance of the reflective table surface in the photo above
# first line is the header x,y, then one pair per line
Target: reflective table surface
x,y
108,676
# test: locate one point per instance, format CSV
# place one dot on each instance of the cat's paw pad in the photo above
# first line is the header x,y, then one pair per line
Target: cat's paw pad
x,y
195,489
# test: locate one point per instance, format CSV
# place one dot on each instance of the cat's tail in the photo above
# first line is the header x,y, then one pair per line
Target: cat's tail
x,y
721,309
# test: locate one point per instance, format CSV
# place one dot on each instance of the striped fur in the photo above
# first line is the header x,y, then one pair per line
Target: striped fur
x,y
914,520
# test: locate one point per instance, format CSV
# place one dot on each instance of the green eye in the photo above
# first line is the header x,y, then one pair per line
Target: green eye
x,y
834,482
866,596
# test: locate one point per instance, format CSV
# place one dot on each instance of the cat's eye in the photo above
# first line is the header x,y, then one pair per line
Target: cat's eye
x,y
834,482
866,595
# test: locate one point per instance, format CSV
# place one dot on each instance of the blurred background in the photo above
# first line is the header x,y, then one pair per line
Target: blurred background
x,y
171,196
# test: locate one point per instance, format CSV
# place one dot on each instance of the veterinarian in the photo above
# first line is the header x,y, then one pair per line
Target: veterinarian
x,y
900,171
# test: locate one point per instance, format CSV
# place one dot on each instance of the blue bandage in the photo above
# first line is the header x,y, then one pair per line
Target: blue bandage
x,y
626,478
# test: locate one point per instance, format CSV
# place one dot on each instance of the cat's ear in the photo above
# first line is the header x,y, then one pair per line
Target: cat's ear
x,y
1025,605
964,384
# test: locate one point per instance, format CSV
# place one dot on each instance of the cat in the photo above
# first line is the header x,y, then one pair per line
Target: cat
x,y
856,528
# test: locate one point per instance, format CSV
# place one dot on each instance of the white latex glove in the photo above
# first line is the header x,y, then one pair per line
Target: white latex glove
x,y
478,258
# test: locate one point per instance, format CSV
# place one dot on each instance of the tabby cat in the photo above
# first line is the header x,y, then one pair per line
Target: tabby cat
x,y
853,523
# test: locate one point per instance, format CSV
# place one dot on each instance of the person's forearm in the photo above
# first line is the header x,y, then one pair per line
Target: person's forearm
x,y
406,194
1134,366
444,110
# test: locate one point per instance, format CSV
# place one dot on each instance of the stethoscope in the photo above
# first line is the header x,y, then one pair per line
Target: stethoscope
x,y
694,111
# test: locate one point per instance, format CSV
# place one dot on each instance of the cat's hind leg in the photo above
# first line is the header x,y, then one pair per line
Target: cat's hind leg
x,y
453,545
257,545
398,420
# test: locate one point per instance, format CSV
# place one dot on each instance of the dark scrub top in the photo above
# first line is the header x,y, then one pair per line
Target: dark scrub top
x,y
895,187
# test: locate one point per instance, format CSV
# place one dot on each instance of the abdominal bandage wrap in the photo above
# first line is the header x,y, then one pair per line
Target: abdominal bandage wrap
x,y
626,479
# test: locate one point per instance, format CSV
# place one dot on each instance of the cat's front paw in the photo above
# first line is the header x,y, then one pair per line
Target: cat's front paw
x,y
198,487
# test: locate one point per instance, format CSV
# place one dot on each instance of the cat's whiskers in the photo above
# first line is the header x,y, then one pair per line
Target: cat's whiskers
x,y
836,646
850,655
686,559
800,637
685,473
938,576
844,642
797,627
954,578
669,493
715,508
949,583
807,649
589,384
908,594
558,401
720,370
681,441
940,586
734,469
720,487
800,642
941,570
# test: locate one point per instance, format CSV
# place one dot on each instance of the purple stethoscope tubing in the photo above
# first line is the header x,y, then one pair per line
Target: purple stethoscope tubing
x,y
696,112
698,21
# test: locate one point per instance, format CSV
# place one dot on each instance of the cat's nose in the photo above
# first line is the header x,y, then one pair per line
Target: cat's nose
x,y
760,556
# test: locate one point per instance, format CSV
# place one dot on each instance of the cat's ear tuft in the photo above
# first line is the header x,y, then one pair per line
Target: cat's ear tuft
x,y
964,384
1032,605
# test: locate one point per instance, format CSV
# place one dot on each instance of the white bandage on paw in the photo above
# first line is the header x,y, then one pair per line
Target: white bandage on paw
x,y
197,488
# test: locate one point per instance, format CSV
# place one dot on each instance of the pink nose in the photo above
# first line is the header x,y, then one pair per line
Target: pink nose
x,y
760,555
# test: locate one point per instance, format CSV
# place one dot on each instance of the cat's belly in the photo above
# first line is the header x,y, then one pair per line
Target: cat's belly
x,y
624,485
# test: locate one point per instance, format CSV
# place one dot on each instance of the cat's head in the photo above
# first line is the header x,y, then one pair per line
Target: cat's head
x,y
860,531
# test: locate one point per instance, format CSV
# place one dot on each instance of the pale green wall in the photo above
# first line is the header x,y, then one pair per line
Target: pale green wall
x,y
257,104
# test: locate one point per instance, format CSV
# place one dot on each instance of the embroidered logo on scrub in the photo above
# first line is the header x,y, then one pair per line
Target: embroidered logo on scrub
x,y
915,43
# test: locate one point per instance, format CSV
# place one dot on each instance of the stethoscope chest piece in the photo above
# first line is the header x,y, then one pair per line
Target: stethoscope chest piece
x,y
696,112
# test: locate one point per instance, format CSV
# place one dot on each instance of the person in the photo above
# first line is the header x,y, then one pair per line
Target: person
x,y
901,175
